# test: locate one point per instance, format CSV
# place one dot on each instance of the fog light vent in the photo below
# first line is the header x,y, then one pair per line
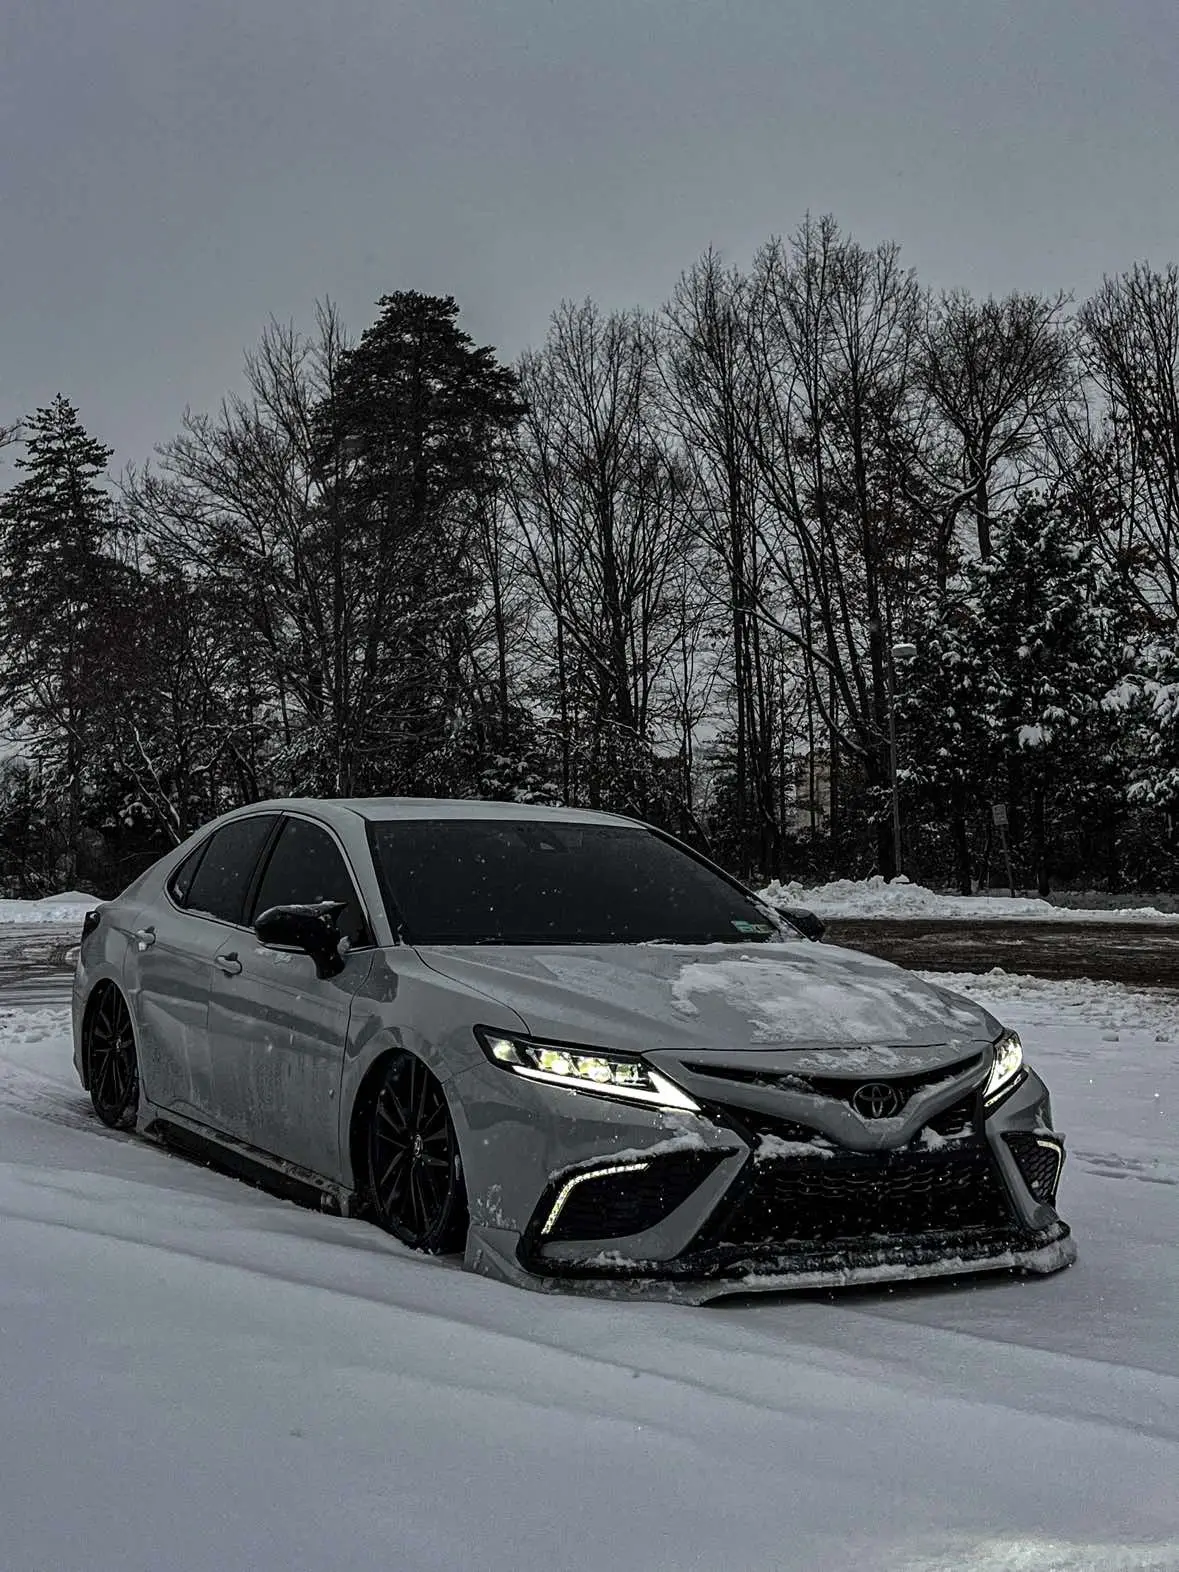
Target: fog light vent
x,y
612,1202
1039,1159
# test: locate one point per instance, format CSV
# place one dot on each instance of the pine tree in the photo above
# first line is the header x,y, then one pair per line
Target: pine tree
x,y
412,433
944,745
1053,624
1145,700
56,529
1009,698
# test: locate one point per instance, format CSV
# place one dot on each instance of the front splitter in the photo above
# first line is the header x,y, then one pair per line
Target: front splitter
x,y
496,1257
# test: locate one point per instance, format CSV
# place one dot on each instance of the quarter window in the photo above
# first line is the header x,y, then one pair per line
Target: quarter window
x,y
306,866
223,877
181,881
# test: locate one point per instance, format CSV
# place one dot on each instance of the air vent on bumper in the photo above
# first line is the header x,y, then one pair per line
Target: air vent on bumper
x,y
1039,1160
619,1199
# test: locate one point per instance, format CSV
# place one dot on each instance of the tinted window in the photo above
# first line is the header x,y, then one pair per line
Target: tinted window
x,y
306,866
227,867
181,881
473,881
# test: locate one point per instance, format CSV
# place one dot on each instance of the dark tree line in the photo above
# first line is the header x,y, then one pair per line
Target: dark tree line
x,y
669,564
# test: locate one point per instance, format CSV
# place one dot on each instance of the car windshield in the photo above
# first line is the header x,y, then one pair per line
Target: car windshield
x,y
491,881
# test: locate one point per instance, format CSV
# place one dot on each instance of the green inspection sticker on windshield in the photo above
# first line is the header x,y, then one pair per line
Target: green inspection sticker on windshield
x,y
750,927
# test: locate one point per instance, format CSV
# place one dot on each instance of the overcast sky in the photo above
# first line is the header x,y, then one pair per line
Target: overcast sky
x,y
172,172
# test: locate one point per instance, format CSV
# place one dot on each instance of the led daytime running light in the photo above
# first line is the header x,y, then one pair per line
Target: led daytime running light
x,y
1058,1152
570,1185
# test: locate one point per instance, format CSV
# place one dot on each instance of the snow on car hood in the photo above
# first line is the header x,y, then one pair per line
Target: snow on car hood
x,y
723,996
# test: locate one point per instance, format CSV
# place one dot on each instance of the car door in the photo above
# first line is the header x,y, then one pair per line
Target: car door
x,y
176,939
277,1032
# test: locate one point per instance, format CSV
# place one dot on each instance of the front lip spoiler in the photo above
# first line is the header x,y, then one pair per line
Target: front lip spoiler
x,y
724,1272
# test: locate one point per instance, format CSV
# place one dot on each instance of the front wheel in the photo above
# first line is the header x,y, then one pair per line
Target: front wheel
x,y
415,1177
112,1065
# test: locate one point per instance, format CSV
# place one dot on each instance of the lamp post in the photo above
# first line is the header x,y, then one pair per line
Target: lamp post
x,y
899,655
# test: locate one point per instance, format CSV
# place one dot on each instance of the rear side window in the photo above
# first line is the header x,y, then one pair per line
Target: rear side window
x,y
223,876
306,866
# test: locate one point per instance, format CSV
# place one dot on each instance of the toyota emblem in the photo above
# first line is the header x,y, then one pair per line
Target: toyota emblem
x,y
877,1100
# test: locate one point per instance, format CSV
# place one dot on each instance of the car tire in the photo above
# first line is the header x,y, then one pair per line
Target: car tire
x,y
112,1063
415,1175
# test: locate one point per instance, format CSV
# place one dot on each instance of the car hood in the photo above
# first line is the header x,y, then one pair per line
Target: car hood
x,y
818,1003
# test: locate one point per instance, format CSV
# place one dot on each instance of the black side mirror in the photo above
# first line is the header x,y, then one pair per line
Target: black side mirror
x,y
311,928
810,926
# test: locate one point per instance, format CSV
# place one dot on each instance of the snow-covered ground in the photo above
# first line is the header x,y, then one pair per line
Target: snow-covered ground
x,y
69,907
898,898
195,1376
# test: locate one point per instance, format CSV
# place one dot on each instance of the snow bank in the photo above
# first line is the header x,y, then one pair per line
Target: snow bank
x,y
1065,1002
876,898
70,907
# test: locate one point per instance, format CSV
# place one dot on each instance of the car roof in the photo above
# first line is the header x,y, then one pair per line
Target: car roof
x,y
381,809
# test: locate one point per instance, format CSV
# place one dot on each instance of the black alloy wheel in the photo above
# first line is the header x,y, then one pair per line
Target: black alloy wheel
x,y
112,1066
415,1176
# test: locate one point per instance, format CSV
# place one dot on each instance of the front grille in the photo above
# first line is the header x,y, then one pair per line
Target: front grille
x,y
956,1120
614,1205
751,1122
1039,1163
839,1088
895,1194
905,1086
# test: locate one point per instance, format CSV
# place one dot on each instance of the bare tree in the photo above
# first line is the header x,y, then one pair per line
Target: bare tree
x,y
836,332
604,512
710,390
1130,345
339,506
993,370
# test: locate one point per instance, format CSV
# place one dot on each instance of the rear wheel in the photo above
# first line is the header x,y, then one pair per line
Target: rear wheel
x,y
112,1066
415,1177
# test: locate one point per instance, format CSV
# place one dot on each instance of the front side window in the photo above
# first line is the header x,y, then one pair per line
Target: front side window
x,y
491,881
306,867
223,876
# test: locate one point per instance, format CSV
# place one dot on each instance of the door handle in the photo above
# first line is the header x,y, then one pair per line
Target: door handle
x,y
145,938
229,964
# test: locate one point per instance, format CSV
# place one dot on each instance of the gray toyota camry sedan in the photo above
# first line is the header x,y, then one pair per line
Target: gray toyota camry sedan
x,y
563,1044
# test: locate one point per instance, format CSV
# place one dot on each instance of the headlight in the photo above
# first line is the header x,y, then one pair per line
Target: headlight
x,y
1007,1070
584,1070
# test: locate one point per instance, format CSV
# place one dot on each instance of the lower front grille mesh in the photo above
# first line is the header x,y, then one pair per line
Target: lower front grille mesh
x,y
894,1195
1039,1162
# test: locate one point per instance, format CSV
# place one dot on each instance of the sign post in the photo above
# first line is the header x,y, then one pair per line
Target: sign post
x,y
999,819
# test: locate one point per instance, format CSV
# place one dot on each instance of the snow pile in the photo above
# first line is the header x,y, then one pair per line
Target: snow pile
x,y
1077,1001
68,907
877,898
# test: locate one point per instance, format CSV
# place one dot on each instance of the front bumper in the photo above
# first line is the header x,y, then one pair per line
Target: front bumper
x,y
495,1254
584,1193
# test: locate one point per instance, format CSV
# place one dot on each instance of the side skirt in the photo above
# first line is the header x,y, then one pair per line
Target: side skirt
x,y
286,1180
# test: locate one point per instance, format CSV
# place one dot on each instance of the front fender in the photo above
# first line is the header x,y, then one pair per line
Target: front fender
x,y
404,1004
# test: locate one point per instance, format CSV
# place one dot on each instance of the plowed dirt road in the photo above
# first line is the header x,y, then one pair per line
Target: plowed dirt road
x,y
36,958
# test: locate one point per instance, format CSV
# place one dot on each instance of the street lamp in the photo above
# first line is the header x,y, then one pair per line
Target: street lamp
x,y
899,655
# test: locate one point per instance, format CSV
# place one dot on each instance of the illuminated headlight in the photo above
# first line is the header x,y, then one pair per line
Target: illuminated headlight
x,y
1007,1069
584,1070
